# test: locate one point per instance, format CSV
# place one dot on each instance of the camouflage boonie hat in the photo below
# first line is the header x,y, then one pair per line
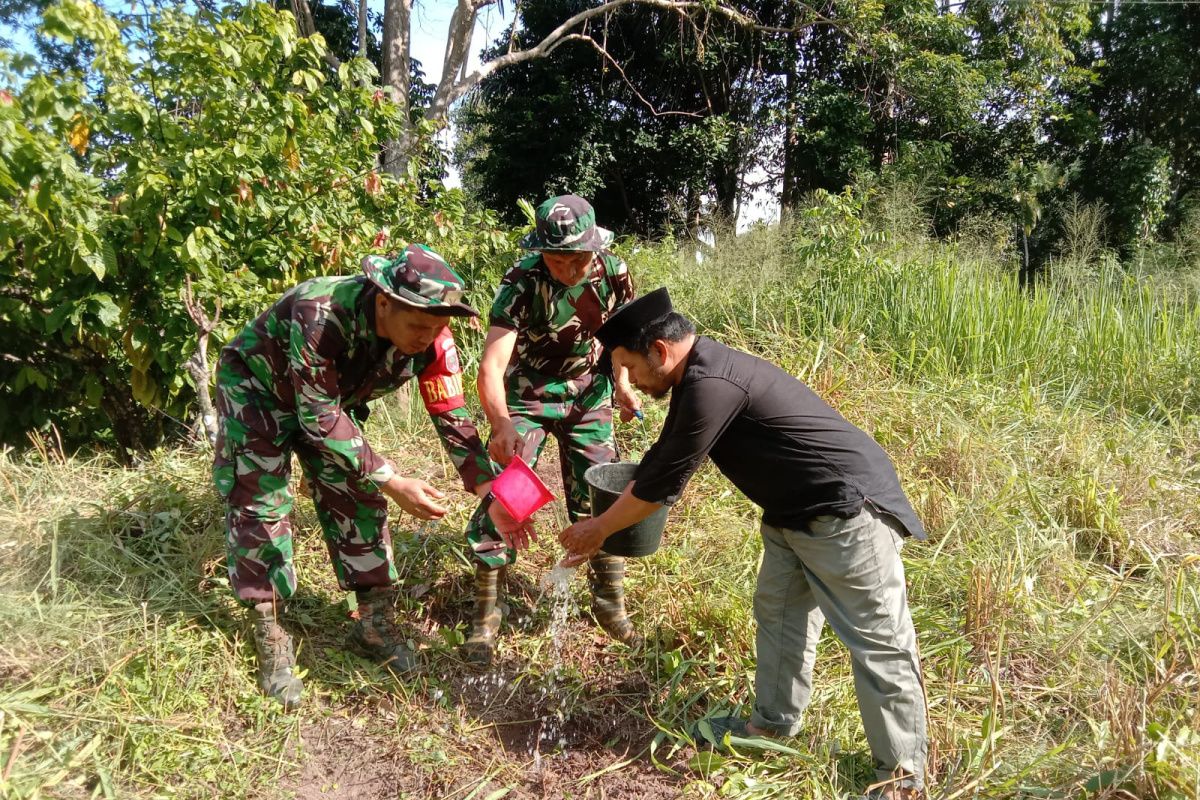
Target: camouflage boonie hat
x,y
567,223
419,278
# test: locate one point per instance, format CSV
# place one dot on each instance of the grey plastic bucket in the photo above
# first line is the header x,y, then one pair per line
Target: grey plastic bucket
x,y
605,484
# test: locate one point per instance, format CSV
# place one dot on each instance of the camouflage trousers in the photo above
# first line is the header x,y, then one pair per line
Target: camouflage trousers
x,y
252,468
578,413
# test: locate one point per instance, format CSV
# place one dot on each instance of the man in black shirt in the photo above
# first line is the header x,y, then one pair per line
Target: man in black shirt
x,y
834,519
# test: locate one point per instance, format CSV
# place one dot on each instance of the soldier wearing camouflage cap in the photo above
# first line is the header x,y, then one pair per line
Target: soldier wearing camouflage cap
x,y
539,376
297,380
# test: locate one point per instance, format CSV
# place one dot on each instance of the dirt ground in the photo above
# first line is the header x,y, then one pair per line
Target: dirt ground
x,y
502,729
342,762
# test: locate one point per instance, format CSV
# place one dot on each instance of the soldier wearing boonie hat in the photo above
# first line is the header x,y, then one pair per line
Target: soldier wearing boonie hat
x,y
297,380
540,376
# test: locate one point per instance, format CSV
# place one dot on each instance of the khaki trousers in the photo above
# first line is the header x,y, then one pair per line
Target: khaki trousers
x,y
846,572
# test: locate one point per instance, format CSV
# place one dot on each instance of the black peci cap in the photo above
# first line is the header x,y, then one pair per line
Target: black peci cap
x,y
630,319
627,321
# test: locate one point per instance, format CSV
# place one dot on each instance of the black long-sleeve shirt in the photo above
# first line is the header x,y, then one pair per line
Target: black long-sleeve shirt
x,y
778,442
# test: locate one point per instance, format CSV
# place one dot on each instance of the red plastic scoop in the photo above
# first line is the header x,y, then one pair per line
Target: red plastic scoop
x,y
520,490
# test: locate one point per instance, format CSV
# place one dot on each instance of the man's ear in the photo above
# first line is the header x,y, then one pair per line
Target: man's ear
x,y
660,349
383,306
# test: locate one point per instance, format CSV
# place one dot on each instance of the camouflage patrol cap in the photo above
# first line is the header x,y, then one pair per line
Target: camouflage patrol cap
x,y
567,223
421,279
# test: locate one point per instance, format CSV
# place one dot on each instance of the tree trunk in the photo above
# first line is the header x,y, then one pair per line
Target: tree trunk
x,y
885,115
197,367
362,28
790,189
307,27
304,21
397,18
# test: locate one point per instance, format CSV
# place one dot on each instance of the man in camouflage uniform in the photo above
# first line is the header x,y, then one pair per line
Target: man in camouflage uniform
x,y
297,380
539,376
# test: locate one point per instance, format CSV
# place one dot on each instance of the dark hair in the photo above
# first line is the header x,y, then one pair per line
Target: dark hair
x,y
670,327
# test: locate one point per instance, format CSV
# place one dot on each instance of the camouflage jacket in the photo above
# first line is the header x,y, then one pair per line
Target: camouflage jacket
x,y
556,324
315,355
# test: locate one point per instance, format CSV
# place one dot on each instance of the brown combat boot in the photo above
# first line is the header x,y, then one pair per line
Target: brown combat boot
x,y
276,658
480,647
375,634
606,574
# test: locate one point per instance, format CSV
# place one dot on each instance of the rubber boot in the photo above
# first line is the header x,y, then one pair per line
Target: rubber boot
x,y
606,574
375,634
276,658
480,647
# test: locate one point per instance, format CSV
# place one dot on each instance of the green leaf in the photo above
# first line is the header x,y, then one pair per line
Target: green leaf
x,y
762,743
109,256
29,376
192,247
108,312
58,316
230,54
59,24
139,335
43,198
1108,779
706,761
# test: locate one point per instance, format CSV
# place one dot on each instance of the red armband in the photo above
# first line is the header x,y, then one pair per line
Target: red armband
x,y
441,380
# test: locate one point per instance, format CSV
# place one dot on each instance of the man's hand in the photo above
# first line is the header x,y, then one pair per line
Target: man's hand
x,y
628,401
582,540
516,535
505,442
416,497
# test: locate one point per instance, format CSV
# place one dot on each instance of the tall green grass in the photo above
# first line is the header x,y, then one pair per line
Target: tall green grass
x,y
1120,340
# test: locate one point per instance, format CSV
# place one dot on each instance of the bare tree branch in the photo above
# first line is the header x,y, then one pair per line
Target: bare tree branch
x,y
452,86
579,37
456,79
458,41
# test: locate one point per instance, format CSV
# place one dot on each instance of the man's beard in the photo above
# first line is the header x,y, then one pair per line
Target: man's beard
x,y
662,386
